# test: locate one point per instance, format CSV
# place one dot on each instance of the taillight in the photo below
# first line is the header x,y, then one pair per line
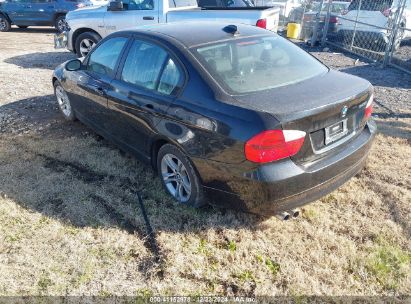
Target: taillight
x,y
273,145
262,23
333,19
386,12
368,108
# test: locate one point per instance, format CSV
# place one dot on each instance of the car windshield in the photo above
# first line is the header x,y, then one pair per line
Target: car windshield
x,y
255,64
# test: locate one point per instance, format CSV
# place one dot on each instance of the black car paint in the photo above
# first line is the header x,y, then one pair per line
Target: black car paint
x,y
212,126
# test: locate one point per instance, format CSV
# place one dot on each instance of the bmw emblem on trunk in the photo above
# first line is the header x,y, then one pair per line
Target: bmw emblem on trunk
x,y
344,111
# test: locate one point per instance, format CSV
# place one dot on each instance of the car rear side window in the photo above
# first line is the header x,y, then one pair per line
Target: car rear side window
x,y
255,64
149,66
103,60
171,78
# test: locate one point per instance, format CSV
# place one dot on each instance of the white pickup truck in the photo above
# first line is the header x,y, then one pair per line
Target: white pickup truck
x,y
88,26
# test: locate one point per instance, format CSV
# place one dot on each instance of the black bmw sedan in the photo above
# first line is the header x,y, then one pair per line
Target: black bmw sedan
x,y
235,116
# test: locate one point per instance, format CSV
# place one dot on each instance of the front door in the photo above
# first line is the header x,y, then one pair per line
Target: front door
x,y
16,10
144,90
135,13
89,91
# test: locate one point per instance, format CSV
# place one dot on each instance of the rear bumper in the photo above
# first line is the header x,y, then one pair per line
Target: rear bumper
x,y
285,185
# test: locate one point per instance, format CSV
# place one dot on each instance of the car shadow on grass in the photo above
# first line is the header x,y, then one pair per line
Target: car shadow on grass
x,y
38,60
65,171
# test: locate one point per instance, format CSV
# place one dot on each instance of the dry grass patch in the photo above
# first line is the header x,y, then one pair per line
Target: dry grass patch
x,y
71,224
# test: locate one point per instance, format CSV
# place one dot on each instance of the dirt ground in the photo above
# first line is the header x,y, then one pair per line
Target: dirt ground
x,y
71,223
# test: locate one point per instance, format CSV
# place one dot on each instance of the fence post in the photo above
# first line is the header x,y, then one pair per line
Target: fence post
x,y
317,23
327,23
355,25
389,50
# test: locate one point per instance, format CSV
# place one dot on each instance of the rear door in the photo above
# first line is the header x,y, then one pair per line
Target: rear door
x,y
135,13
89,91
40,12
144,89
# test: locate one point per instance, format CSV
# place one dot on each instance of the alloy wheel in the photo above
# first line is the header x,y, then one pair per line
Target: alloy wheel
x,y
86,45
61,25
175,177
63,101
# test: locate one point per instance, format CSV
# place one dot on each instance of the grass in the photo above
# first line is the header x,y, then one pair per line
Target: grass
x,y
72,198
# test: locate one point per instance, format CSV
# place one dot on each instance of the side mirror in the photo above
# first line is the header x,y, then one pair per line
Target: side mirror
x,y
73,65
115,6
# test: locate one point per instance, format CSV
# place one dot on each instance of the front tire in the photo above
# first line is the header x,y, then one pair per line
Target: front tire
x,y
60,24
5,24
179,176
85,42
63,102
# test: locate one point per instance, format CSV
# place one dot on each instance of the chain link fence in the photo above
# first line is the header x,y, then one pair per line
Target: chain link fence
x,y
379,30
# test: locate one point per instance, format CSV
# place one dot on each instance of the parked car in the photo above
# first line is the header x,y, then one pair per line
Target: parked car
x,y
234,115
25,13
225,3
88,26
375,17
309,18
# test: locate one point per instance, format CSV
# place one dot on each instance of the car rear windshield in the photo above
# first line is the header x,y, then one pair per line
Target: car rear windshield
x,y
335,7
370,5
256,64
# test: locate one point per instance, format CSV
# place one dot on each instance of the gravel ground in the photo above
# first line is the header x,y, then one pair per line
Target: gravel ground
x,y
71,226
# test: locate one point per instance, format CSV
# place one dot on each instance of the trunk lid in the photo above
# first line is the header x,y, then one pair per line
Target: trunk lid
x,y
319,106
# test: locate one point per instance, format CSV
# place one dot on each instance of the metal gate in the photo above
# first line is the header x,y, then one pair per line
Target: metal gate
x,y
379,30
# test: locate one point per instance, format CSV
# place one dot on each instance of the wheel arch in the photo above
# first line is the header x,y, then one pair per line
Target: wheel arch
x,y
80,31
155,146
6,16
59,14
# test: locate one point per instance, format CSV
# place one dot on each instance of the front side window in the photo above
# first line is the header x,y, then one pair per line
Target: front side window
x,y
138,5
103,60
255,64
150,66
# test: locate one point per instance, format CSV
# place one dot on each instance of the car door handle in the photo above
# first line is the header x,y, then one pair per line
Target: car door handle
x,y
148,18
99,90
150,106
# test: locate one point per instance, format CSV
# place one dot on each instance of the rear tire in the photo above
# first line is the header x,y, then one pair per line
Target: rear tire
x,y
179,177
5,24
85,42
60,24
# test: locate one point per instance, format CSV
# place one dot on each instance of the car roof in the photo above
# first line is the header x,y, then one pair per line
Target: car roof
x,y
200,32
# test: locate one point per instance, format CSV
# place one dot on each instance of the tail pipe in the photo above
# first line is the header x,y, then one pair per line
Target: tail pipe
x,y
284,216
294,213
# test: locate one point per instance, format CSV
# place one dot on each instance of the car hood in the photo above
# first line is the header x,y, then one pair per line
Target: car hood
x,y
306,98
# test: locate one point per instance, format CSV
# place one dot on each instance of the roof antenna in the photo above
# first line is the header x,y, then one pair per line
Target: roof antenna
x,y
231,29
